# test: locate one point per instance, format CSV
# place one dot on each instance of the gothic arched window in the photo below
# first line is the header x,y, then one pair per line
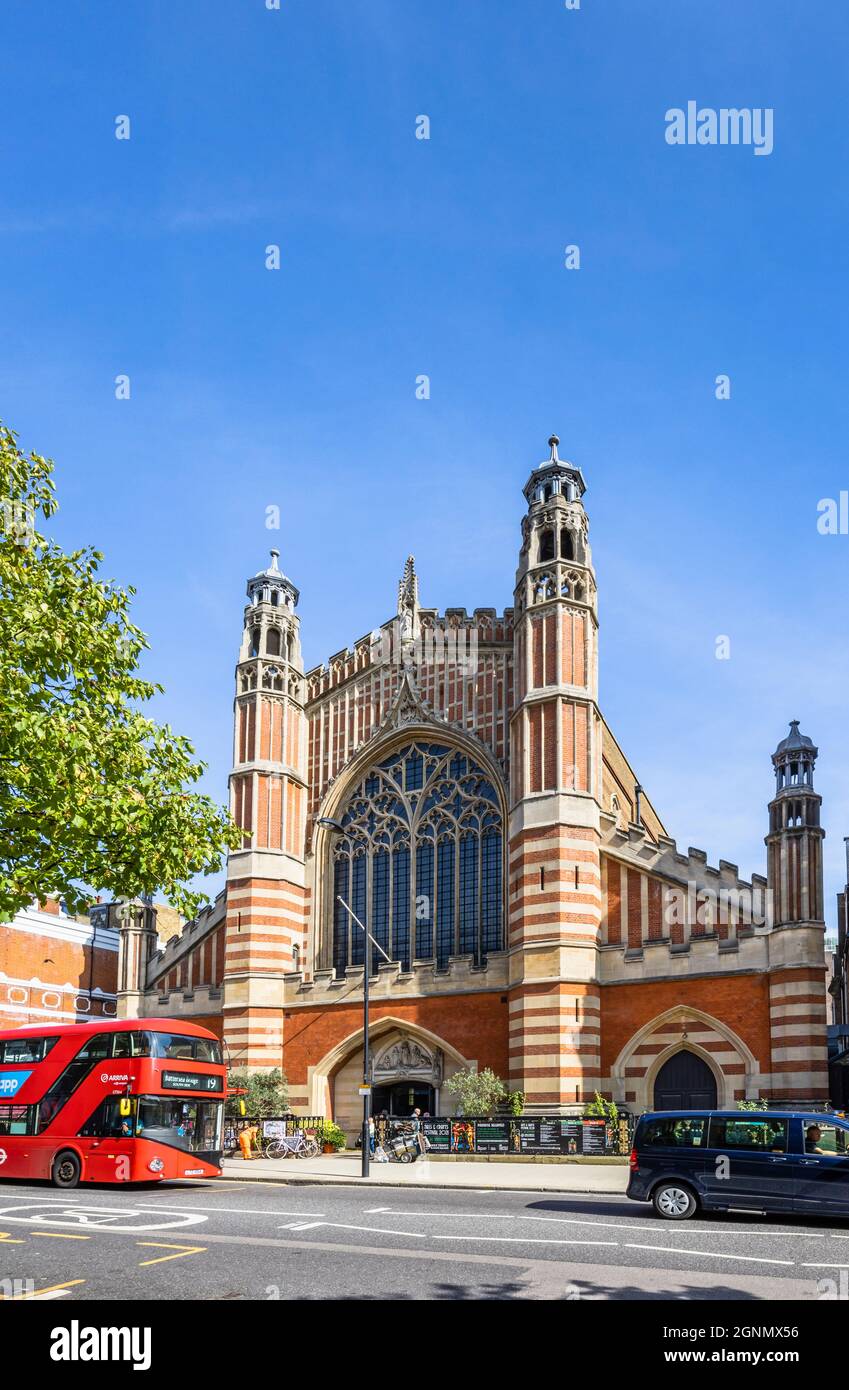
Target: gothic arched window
x,y
420,862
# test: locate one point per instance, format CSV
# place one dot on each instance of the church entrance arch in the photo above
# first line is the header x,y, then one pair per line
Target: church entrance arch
x,y
685,1082
402,1097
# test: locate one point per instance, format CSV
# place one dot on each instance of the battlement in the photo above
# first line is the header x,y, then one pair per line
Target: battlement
x,y
440,635
193,933
663,857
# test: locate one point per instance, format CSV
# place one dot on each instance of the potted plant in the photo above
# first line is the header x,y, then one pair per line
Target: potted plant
x,y
332,1137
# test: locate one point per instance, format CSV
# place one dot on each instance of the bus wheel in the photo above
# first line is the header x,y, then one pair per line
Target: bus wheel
x,y
66,1169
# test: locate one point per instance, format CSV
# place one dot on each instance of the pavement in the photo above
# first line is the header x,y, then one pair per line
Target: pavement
x,y
610,1175
225,1241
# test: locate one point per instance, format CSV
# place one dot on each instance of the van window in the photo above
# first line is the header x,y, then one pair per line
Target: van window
x,y
673,1133
755,1135
824,1138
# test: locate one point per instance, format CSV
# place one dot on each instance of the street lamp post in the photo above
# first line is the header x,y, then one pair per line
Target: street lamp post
x,y
369,942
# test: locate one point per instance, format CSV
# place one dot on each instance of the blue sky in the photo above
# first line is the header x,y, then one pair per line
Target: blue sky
x,y
399,257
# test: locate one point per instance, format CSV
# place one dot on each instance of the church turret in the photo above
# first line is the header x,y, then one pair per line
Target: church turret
x,y
796,942
265,892
794,842
555,878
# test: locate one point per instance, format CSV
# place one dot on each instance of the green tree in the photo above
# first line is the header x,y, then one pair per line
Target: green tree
x,y
267,1093
601,1109
93,795
477,1092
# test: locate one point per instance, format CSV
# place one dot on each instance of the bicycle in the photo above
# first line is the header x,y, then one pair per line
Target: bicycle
x,y
292,1146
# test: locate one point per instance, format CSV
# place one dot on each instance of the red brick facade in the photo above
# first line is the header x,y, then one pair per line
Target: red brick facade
x,y
618,950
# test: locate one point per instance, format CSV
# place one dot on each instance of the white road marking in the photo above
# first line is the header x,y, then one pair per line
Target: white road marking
x,y
611,1225
708,1254
235,1211
96,1218
824,1264
529,1240
345,1226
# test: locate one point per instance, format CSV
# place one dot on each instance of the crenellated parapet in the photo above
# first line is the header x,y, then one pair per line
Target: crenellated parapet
x,y
194,934
657,896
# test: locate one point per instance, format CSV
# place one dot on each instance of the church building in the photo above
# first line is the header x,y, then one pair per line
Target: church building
x,y
451,779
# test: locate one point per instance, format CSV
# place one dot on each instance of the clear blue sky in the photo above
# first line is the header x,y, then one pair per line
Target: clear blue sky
x,y
400,257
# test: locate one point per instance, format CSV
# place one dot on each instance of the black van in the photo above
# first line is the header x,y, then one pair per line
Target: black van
x,y
750,1160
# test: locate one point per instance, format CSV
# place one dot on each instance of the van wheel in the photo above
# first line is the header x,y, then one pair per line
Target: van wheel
x,y
673,1201
66,1170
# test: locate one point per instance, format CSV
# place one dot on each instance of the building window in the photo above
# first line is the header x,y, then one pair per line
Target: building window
x,y
421,861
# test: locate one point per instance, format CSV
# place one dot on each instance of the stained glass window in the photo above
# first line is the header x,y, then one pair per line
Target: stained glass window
x,y
421,860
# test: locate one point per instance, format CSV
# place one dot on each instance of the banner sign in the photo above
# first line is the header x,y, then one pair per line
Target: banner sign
x,y
557,1135
438,1133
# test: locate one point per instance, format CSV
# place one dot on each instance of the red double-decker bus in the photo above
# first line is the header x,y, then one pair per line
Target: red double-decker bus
x,y
134,1101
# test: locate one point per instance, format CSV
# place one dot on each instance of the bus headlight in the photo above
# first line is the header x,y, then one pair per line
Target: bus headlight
x,y
156,1165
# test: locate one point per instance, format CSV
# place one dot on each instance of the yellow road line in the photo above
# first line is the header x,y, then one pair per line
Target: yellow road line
x,y
18,1297
9,1240
182,1250
58,1235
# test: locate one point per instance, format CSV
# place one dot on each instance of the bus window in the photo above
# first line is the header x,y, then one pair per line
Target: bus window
x,y
131,1044
107,1122
15,1119
177,1048
183,1124
97,1049
25,1049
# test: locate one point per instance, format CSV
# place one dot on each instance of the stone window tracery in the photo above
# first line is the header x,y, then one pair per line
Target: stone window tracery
x,y
421,860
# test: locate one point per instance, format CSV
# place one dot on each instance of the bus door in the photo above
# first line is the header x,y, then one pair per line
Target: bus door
x,y
110,1132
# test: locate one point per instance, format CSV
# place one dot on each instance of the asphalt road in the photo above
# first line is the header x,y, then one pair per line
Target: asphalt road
x,y
226,1240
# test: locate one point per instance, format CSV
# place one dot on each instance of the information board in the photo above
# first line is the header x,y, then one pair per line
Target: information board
x,y
492,1136
438,1134
595,1136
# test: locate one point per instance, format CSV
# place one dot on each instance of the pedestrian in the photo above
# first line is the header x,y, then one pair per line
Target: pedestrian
x,y
416,1127
371,1135
246,1140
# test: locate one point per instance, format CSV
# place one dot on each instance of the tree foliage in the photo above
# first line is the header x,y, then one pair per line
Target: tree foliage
x,y
477,1092
599,1108
93,794
266,1093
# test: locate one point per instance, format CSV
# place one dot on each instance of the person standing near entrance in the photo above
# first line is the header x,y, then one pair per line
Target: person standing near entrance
x,y
416,1127
371,1134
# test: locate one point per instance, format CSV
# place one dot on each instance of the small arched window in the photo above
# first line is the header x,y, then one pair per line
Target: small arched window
x,y
567,545
256,636
272,641
546,546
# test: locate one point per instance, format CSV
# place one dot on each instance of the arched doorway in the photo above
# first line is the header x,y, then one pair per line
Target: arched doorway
x,y
685,1082
402,1097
